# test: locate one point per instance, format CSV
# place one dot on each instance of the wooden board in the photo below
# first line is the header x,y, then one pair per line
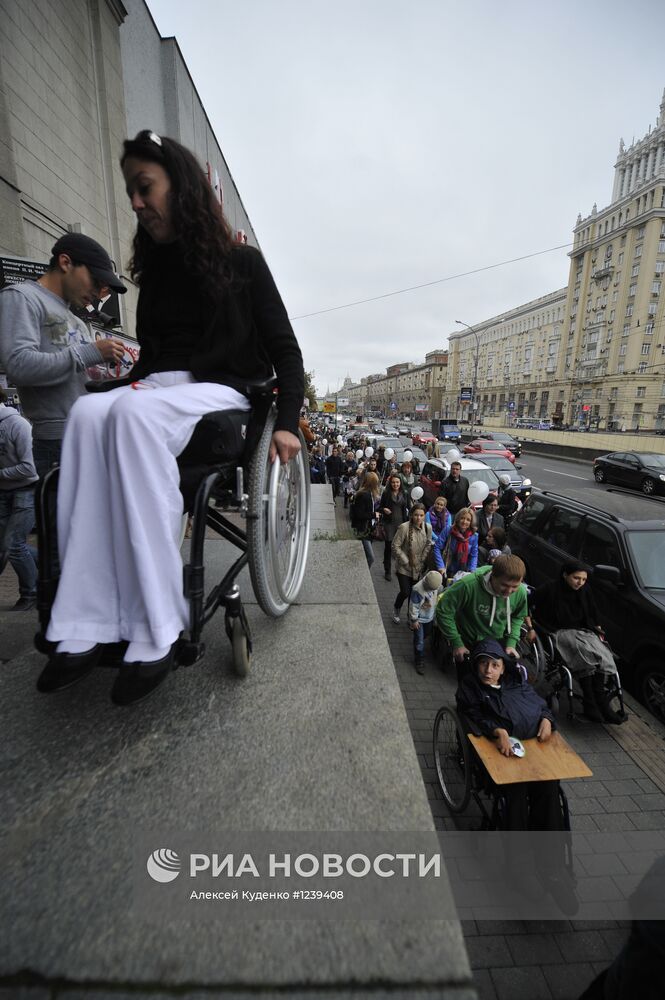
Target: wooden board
x,y
549,761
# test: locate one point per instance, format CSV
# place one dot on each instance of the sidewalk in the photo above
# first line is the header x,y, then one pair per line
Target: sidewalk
x,y
546,960
314,739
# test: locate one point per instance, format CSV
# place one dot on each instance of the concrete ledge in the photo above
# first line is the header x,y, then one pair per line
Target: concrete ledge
x,y
316,738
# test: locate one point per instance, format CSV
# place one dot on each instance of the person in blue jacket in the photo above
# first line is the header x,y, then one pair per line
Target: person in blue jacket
x,y
458,551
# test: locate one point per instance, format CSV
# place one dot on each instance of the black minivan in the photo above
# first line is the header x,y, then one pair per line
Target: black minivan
x,y
621,538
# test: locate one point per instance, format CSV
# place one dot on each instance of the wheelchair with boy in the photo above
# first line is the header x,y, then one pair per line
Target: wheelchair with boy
x,y
227,460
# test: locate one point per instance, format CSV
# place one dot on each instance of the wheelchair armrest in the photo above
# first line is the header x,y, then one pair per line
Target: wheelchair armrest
x,y
107,384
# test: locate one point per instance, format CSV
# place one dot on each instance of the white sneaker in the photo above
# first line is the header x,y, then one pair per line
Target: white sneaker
x,y
396,618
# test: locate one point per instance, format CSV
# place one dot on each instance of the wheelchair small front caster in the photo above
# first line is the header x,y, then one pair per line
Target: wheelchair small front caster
x,y
242,647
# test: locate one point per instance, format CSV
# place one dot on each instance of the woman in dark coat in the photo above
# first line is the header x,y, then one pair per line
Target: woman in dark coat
x,y
394,507
566,607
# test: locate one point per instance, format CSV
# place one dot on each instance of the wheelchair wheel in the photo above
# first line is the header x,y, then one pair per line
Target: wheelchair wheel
x,y
242,656
278,520
452,759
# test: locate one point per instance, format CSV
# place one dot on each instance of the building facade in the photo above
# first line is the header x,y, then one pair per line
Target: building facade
x,y
76,78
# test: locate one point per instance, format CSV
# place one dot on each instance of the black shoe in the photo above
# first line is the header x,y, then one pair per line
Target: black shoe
x,y
387,576
65,669
25,604
420,667
135,681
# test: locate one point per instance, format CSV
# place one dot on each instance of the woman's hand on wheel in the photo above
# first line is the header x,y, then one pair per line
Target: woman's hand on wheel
x,y
285,444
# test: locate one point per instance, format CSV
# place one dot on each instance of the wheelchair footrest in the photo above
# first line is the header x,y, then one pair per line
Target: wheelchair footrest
x,y
187,652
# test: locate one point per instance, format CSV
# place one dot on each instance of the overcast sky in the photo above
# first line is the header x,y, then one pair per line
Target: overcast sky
x,y
380,144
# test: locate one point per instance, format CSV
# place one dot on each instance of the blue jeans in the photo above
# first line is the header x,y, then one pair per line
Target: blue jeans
x,y
419,637
17,517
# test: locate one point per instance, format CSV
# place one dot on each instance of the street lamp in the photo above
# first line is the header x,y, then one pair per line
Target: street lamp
x,y
475,369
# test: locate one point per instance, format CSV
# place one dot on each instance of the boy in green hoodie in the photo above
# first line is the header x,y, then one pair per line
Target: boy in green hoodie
x,y
492,601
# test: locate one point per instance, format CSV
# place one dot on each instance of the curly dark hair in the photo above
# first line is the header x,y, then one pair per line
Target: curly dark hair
x,y
196,215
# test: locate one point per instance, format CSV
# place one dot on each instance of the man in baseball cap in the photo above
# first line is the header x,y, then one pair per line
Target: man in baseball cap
x,y
82,250
45,349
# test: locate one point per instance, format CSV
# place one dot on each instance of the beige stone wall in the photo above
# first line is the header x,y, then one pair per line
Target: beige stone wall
x,y
65,120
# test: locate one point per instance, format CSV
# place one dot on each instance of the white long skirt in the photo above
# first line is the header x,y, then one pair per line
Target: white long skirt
x,y
120,509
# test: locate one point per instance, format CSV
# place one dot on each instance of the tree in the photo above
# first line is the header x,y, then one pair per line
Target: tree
x,y
310,390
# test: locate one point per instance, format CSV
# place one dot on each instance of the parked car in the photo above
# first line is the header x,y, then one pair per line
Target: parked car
x,y
422,437
507,440
622,539
436,469
637,470
480,446
498,464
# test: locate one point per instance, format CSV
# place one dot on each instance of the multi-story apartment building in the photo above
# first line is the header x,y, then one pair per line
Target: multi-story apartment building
x,y
509,363
406,389
591,354
614,348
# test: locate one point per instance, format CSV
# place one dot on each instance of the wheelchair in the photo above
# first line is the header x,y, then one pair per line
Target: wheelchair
x,y
226,459
462,776
552,678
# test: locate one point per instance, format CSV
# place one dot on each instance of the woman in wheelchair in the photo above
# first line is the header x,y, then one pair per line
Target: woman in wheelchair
x,y
566,608
500,703
209,319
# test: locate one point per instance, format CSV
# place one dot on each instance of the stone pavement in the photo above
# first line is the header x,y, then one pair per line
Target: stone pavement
x,y
530,960
314,739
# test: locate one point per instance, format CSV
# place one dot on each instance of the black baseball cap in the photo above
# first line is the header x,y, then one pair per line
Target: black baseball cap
x,y
84,250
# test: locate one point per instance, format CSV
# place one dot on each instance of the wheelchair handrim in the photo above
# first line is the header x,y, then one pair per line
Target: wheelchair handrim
x,y
289,517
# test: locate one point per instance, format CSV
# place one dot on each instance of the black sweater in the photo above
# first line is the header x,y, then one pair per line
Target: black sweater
x,y
246,334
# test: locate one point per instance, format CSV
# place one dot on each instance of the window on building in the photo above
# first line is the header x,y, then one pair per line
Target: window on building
x,y
655,287
653,308
641,391
638,251
646,348
629,310
614,391
633,289
622,350
612,314
648,329
635,271
642,367
660,266
661,246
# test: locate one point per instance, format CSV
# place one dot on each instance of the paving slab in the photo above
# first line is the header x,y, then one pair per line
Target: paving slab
x,y
315,739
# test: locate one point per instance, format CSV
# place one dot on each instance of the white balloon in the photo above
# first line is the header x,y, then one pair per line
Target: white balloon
x,y
325,441
408,455
453,455
389,453
417,492
339,439
359,453
369,452
478,491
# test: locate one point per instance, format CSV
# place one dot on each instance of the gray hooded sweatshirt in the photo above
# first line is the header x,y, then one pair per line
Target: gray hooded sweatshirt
x,y
17,468
45,350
